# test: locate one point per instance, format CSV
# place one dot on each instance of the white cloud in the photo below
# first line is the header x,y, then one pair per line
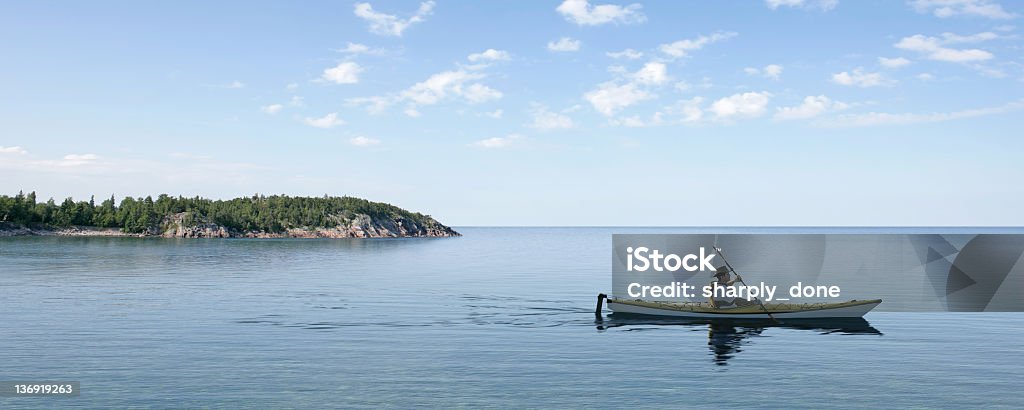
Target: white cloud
x,y
583,13
628,89
772,71
811,107
296,101
564,44
950,8
653,73
67,161
71,160
631,122
636,121
953,38
459,84
356,48
344,73
235,84
823,5
617,69
17,158
893,62
683,47
328,121
473,67
988,71
478,93
932,47
441,85
774,4
489,55
374,105
860,78
292,87
547,120
438,86
496,114
272,108
682,112
484,59
629,54
388,24
683,86
688,110
136,174
498,142
362,141
745,105
925,77
881,118
610,97
12,150
447,85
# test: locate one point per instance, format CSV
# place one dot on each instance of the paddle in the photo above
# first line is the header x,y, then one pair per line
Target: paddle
x,y
740,278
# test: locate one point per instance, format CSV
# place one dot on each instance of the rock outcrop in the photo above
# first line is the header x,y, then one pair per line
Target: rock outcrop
x,y
10,229
185,225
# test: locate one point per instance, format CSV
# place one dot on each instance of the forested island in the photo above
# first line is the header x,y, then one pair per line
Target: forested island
x,y
258,216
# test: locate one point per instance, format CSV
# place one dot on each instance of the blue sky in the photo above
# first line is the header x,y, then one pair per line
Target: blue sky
x,y
779,112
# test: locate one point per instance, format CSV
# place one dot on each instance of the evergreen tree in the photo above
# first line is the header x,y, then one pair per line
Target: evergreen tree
x,y
275,213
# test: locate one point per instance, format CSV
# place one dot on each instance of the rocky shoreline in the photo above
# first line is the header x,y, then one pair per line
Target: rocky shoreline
x,y
8,230
361,226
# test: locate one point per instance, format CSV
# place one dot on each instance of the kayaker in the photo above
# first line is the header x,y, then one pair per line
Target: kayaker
x,y
723,278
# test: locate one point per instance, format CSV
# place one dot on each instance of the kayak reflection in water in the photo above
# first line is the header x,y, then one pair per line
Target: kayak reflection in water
x,y
726,338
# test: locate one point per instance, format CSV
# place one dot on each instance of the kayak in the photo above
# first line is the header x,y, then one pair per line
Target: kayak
x,y
852,308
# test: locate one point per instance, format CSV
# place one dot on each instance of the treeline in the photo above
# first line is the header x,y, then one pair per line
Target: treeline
x,y
257,213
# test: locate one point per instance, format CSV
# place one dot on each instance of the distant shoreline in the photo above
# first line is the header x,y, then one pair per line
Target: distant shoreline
x,y
258,216
12,230
8,230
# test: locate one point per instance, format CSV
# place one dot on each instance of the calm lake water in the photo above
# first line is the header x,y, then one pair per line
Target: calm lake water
x,y
499,317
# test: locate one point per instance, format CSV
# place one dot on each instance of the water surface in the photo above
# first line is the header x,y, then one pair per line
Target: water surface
x,y
499,317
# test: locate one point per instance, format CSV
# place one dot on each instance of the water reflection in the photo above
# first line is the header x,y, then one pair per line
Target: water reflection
x,y
727,337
